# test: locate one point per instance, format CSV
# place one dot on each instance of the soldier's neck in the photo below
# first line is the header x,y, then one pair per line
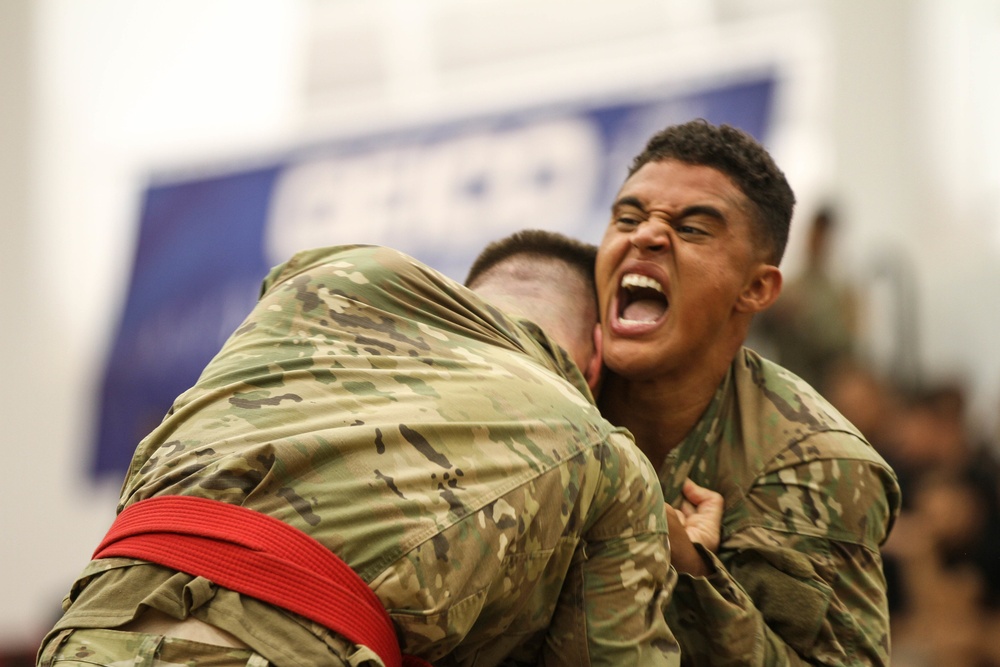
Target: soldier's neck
x,y
659,414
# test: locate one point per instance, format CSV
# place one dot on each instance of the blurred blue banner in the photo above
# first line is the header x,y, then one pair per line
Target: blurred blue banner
x,y
438,192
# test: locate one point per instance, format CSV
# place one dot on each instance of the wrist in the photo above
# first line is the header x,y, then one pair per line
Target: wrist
x,y
695,563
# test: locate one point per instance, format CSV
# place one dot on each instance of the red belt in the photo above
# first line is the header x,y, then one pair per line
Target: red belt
x,y
256,555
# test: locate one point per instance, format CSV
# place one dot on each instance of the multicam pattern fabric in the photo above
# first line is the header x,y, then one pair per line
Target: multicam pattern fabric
x,y
808,502
111,648
451,455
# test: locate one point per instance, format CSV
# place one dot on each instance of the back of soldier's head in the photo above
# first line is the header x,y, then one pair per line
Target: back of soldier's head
x,y
537,243
545,277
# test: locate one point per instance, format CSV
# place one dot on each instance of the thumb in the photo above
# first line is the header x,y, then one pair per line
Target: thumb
x,y
699,494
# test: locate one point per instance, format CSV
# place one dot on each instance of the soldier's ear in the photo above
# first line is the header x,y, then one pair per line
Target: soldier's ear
x,y
595,368
761,290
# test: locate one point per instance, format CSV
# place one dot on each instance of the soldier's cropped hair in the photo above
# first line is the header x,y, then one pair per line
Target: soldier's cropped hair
x,y
744,160
535,243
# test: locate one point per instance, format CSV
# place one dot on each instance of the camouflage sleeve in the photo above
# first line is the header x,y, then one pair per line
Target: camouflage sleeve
x,y
611,608
800,580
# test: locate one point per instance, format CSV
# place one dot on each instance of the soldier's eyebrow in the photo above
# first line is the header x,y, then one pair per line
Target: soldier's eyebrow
x,y
702,209
628,200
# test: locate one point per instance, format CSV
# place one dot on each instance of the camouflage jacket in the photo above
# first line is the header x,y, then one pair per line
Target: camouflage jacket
x,y
808,502
451,455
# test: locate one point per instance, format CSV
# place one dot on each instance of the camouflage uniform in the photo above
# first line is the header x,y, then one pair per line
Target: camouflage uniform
x,y
109,647
450,455
808,502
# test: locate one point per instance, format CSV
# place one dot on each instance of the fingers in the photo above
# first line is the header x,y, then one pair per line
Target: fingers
x,y
688,508
699,500
699,515
699,494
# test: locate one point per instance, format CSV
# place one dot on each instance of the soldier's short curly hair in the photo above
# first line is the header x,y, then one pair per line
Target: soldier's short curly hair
x,y
744,160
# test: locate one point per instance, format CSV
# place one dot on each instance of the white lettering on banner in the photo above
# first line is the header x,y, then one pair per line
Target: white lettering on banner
x,y
459,191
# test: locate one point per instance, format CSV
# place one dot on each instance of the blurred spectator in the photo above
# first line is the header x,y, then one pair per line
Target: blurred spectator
x,y
930,433
946,618
812,324
864,397
943,559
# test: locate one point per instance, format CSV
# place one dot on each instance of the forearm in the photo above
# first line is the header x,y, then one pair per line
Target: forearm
x,y
717,621
611,608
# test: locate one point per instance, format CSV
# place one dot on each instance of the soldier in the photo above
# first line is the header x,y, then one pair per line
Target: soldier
x,y
813,326
445,448
691,253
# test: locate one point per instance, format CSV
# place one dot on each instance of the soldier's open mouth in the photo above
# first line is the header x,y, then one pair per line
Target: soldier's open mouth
x,y
640,299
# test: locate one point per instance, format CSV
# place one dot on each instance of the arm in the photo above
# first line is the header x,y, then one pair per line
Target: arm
x,y
798,578
611,608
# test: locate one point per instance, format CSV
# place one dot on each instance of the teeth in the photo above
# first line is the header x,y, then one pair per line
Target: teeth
x,y
630,280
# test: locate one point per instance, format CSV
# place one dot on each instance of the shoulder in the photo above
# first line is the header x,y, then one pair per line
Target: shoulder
x,y
395,290
788,411
360,264
811,457
382,283
795,430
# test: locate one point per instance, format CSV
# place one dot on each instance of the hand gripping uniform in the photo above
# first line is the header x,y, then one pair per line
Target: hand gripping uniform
x,y
451,455
808,502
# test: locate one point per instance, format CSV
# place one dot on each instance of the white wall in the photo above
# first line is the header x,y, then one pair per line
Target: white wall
x,y
915,102
956,228
886,105
115,89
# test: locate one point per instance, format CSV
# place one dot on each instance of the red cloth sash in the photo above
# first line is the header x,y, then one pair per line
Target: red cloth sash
x,y
256,555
